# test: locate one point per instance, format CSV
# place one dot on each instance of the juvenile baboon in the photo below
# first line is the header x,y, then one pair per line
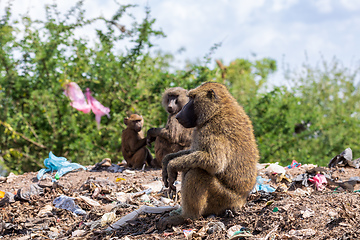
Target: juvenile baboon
x,y
133,143
174,137
219,170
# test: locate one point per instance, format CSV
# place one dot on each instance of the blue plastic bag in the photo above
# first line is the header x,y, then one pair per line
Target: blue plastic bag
x,y
59,164
260,186
68,203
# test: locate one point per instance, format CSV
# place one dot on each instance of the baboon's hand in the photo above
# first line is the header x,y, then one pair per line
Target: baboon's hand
x,y
172,176
152,132
165,174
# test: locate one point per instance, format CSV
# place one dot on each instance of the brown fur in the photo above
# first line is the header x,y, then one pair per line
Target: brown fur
x,y
219,170
174,137
133,143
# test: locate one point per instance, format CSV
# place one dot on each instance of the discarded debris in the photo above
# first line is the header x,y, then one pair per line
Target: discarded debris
x,y
344,159
59,164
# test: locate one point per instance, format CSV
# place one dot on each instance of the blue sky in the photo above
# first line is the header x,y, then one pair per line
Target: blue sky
x,y
289,31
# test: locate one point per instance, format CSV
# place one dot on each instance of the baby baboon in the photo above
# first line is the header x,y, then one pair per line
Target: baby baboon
x,y
174,137
219,170
133,143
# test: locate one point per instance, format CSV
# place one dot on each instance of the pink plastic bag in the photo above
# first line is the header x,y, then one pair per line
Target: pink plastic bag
x,y
73,91
319,181
98,109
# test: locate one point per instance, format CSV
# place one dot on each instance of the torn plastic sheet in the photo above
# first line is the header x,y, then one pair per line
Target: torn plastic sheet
x,y
319,180
133,215
344,159
78,101
59,164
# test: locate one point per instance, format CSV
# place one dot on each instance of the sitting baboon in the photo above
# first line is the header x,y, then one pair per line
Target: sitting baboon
x,y
133,143
219,170
174,137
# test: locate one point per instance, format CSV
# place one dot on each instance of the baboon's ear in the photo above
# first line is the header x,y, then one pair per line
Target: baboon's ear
x,y
126,121
211,94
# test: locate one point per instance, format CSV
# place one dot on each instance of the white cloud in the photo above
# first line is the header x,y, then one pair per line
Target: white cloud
x,y
323,6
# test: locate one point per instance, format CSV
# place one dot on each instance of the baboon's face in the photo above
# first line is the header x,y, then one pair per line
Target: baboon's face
x,y
173,104
134,122
187,116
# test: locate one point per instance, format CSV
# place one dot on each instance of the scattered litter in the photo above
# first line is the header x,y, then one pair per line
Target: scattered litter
x,y
78,233
90,201
188,233
307,213
11,177
127,171
133,215
27,192
119,179
275,168
45,211
156,186
320,181
215,227
302,178
68,203
301,233
294,164
344,159
59,164
7,198
260,186
108,218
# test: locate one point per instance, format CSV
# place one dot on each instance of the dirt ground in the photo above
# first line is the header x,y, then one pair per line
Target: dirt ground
x,y
293,211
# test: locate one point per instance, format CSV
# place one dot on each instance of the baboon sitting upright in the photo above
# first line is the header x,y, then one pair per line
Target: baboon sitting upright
x,y
133,143
174,137
219,170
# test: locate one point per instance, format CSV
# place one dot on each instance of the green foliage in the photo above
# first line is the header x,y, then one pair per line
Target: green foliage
x,y
311,121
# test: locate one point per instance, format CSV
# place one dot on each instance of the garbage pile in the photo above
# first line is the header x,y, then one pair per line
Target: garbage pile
x,y
108,201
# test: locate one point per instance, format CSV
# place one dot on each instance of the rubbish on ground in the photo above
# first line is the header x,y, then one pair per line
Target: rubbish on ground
x,y
45,211
27,192
68,203
133,215
294,164
156,186
114,168
108,218
282,176
238,232
230,232
123,197
348,185
127,171
303,178
275,168
260,186
90,201
320,181
332,214
8,198
119,179
2,194
144,198
275,209
282,188
344,159
2,179
165,200
10,178
307,233
104,185
188,232
59,164
215,227
78,233
307,213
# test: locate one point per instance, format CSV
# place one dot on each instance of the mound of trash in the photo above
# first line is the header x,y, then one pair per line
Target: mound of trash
x,y
108,201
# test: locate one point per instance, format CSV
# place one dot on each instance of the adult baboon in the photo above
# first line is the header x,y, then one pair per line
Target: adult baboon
x,y
219,170
133,143
174,137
